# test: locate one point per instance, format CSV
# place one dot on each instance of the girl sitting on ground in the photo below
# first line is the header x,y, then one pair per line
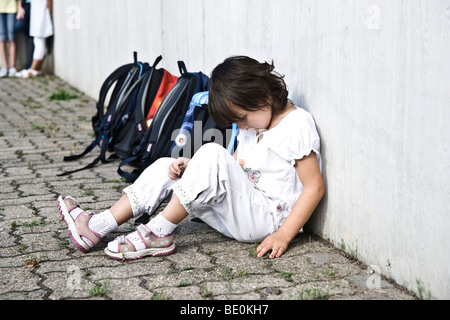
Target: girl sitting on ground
x,y
265,193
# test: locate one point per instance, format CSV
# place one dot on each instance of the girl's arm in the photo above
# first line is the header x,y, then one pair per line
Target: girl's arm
x,y
235,154
313,189
50,7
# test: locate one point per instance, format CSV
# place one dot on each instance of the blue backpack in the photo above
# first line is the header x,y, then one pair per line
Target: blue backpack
x,y
199,128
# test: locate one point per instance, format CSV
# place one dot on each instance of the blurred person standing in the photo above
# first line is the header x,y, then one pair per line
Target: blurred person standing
x,y
41,27
9,10
23,26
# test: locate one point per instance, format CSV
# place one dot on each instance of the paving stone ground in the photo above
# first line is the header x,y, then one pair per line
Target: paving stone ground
x,y
39,262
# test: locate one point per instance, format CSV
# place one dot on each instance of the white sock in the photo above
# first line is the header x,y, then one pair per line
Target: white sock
x,y
160,226
103,223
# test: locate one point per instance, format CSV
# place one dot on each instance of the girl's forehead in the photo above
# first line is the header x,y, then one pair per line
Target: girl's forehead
x,y
236,109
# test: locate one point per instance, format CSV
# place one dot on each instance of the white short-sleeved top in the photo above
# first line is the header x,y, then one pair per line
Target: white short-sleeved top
x,y
269,163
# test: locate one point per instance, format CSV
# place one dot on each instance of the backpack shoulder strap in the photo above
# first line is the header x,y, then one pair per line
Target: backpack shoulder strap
x,y
114,77
182,67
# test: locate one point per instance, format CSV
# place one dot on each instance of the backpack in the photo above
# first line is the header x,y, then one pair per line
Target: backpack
x,y
197,129
157,140
155,85
111,126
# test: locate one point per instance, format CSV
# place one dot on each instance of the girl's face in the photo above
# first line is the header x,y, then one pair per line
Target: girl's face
x,y
253,120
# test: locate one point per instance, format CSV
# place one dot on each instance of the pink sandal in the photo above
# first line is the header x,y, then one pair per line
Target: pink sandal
x,y
139,244
82,237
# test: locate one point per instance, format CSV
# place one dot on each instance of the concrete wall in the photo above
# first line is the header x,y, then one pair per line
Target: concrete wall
x,y
375,75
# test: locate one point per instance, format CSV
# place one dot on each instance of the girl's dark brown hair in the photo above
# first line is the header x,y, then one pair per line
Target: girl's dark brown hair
x,y
246,83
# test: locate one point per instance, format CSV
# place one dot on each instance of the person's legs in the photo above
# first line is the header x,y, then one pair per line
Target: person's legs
x,y
174,211
12,56
166,222
3,57
3,39
37,64
214,188
144,195
40,50
10,22
85,229
121,210
153,239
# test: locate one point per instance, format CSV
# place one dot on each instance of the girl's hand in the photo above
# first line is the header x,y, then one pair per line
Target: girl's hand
x,y
309,173
177,168
276,242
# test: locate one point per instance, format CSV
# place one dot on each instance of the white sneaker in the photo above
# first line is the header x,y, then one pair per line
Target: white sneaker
x,y
27,73
12,72
20,73
3,72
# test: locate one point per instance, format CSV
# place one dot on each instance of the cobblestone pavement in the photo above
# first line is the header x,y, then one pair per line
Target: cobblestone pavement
x,y
38,260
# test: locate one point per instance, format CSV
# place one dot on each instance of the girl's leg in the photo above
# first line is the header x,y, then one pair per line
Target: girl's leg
x,y
85,229
12,54
37,64
165,223
40,50
4,60
153,239
11,21
144,195
121,210
156,237
3,39
174,211
216,189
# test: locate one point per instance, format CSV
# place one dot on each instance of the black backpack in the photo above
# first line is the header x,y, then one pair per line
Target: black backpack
x,y
197,129
132,132
157,140
111,127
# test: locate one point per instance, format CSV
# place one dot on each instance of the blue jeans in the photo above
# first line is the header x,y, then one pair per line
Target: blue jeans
x,y
7,22
23,26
